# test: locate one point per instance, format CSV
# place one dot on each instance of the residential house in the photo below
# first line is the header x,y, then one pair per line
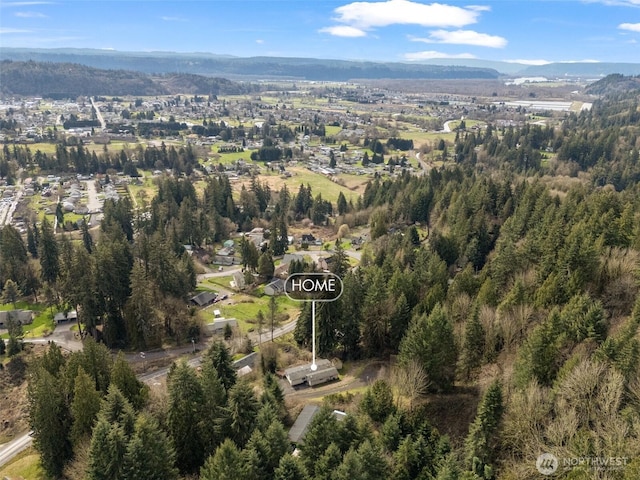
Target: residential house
x,y
304,374
275,287
24,317
204,298
238,281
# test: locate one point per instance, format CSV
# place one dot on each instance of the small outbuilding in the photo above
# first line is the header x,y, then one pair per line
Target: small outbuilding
x,y
219,325
65,316
301,425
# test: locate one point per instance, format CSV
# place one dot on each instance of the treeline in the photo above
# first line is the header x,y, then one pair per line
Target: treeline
x,y
71,80
79,159
602,142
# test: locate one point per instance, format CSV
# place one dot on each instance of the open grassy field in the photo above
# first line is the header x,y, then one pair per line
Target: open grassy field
x,y
227,158
141,194
355,184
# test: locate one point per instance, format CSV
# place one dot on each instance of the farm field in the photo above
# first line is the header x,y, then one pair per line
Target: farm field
x,y
330,190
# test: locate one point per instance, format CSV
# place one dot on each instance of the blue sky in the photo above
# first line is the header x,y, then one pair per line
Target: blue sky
x,y
533,32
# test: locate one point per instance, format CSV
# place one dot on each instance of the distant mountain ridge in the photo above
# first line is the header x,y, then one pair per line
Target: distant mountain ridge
x,y
70,80
265,67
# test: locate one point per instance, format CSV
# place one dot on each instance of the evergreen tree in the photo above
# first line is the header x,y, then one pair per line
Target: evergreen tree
x,y
266,267
219,358
472,346
320,434
241,412
32,240
84,407
226,464
350,314
215,398
49,260
290,468
149,454
377,401
481,443
87,240
124,378
185,405
50,421
430,340
10,292
342,204
141,320
14,329
327,464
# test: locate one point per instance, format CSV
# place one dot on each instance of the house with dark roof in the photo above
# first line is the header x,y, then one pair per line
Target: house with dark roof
x,y
204,298
23,317
275,287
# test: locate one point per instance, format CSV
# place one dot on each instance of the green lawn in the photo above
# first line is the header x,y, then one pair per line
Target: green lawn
x,y
245,309
331,130
26,465
223,282
227,158
319,183
428,137
42,324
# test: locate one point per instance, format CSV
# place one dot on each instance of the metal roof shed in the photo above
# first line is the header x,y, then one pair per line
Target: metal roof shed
x,y
301,425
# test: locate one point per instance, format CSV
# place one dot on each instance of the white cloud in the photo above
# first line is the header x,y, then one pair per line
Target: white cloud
x,y
463,37
529,62
6,31
30,15
366,15
343,31
479,8
546,62
24,4
617,3
632,27
173,19
431,54
259,41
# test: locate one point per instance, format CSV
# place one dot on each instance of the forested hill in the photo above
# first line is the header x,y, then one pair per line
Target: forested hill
x,y
265,67
69,80
614,83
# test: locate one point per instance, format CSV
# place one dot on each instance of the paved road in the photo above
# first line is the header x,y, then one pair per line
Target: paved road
x,y
94,204
11,449
7,209
153,377
98,114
